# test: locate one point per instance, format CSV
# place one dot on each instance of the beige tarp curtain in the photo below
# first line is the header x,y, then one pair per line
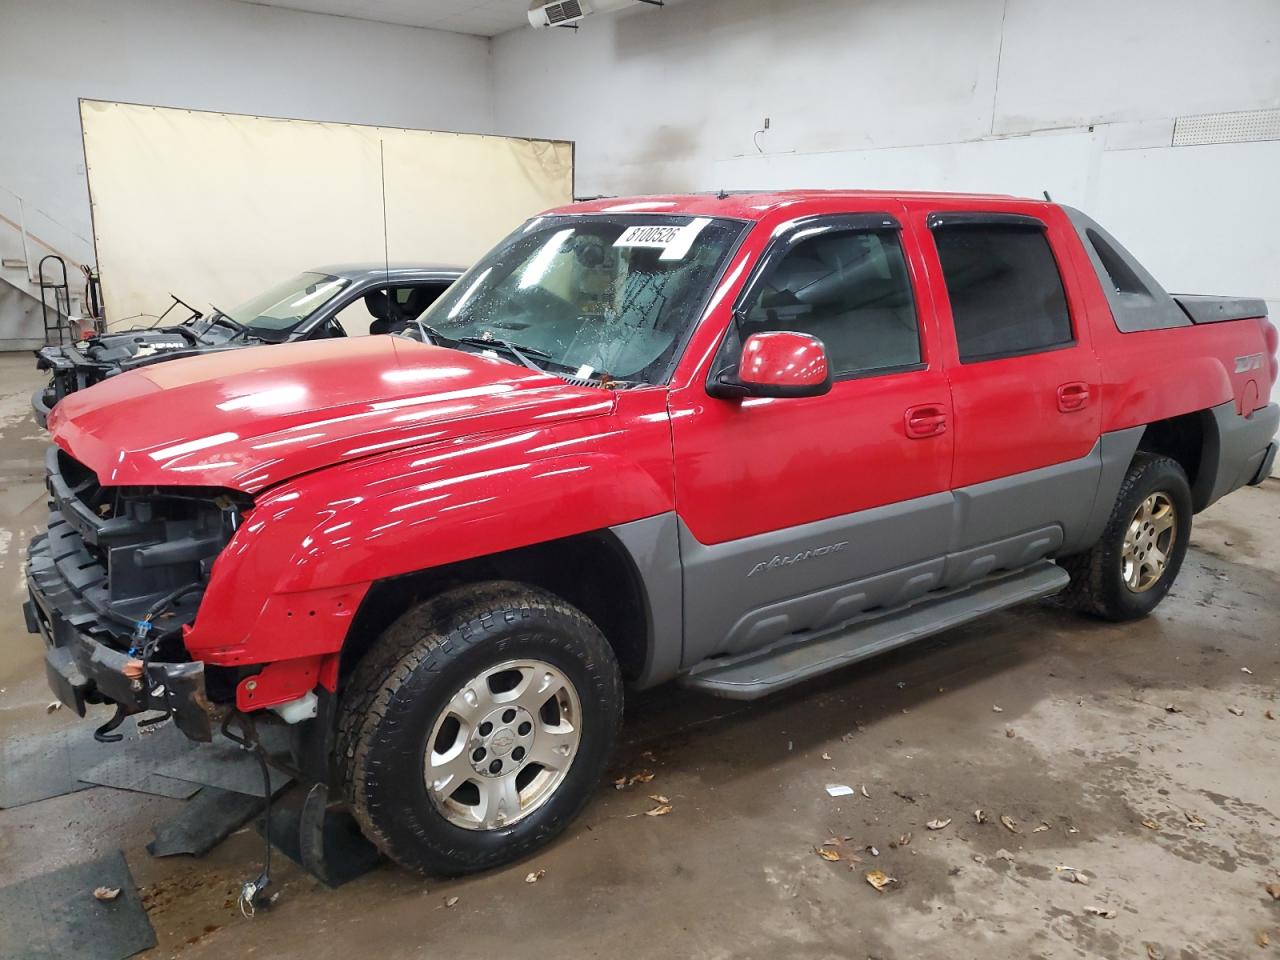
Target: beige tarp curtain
x,y
216,207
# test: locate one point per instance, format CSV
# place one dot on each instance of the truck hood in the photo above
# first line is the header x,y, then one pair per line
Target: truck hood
x,y
247,419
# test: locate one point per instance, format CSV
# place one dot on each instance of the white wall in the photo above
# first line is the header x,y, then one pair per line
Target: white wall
x,y
212,55
1013,97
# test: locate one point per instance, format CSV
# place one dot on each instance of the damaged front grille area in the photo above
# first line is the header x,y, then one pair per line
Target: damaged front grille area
x,y
123,550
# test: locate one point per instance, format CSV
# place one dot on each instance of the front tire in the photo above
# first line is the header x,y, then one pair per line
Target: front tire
x,y
477,727
1133,565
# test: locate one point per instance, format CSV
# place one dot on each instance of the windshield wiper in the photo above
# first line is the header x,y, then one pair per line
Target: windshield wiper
x,y
515,349
220,315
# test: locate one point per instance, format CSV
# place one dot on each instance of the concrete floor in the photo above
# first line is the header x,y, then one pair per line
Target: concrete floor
x,y
1080,752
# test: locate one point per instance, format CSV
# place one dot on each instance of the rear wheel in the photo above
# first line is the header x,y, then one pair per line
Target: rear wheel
x,y
477,727
1133,565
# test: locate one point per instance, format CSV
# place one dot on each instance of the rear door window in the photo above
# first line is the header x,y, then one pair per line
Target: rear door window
x,y
1006,293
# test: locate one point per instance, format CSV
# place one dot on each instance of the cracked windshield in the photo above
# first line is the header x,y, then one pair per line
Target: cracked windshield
x,y
595,296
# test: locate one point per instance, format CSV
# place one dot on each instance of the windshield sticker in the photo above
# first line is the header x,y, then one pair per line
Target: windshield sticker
x,y
674,242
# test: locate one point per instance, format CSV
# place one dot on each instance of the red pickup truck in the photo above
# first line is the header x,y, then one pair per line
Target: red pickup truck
x,y
736,441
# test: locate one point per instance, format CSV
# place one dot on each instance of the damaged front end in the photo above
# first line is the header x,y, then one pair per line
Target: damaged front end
x,y
113,583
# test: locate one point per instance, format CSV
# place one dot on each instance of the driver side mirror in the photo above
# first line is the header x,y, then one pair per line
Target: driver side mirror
x,y
777,364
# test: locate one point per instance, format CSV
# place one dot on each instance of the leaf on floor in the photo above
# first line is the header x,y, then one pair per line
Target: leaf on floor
x,y
535,876
1235,711
1155,952
644,776
1010,824
1274,890
864,792
827,854
1105,912
1263,939
1150,824
106,893
450,901
1195,821
996,709
939,823
879,879
826,756
980,815
659,798
1172,708
659,811
1042,828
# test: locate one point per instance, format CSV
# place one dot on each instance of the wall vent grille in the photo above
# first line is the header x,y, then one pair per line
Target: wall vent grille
x,y
1239,127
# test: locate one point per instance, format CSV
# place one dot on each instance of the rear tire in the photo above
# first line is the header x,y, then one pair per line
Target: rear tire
x,y
478,727
1134,563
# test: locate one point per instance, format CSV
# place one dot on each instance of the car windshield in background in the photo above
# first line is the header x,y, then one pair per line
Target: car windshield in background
x,y
282,308
596,295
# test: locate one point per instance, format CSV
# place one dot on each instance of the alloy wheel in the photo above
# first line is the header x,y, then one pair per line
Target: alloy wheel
x,y
503,744
1148,542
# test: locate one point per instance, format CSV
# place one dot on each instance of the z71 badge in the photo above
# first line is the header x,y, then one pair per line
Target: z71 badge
x,y
1252,361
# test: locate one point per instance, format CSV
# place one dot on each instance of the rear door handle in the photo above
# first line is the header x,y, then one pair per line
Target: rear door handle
x,y
1073,396
925,420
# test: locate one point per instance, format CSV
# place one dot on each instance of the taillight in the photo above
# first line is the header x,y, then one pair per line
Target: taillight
x,y
1272,338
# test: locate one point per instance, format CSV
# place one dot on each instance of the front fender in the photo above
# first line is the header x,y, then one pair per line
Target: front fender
x,y
291,578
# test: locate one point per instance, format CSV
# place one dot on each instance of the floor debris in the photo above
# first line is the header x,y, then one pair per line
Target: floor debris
x,y
880,880
51,915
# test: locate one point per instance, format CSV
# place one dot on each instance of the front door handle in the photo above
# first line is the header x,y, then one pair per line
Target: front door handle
x,y
925,420
1073,396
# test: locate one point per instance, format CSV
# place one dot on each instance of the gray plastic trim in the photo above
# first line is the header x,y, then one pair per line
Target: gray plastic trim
x,y
749,591
1115,453
803,657
1235,451
654,547
1149,309
1202,309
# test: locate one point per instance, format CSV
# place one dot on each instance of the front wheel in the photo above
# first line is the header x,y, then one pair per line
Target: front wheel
x,y
1133,565
478,727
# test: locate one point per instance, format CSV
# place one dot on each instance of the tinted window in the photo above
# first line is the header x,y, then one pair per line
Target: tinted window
x,y
1006,294
850,290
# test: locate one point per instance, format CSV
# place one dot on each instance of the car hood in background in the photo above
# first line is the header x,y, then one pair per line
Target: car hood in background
x,y
246,419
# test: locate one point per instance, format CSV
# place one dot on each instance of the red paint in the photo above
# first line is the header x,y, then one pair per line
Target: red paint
x,y
374,457
784,362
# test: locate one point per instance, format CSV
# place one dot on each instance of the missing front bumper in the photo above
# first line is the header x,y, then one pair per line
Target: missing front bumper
x,y
82,669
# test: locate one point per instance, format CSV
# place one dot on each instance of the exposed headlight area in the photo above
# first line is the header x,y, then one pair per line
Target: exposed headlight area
x,y
134,555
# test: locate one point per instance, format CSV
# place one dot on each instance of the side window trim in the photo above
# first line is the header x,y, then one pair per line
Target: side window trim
x,y
780,245
963,218
777,250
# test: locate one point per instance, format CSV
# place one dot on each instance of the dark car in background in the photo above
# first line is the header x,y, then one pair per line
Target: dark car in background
x,y
332,301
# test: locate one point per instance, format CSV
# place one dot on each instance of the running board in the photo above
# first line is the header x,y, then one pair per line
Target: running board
x,y
791,661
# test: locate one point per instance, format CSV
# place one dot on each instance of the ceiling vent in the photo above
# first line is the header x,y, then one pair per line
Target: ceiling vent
x,y
567,13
